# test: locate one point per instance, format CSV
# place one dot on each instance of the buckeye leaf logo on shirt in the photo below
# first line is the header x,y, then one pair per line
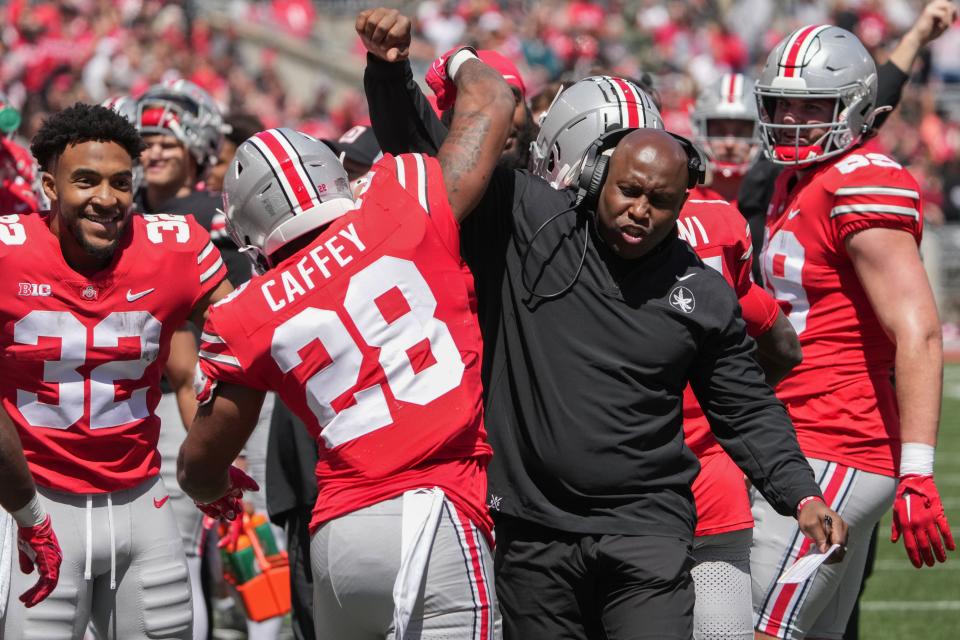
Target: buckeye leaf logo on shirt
x,y
682,299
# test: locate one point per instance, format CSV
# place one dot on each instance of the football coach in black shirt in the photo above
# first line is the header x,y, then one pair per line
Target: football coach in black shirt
x,y
590,480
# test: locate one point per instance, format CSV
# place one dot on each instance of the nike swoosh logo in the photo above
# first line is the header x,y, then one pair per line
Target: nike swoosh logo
x,y
682,278
133,297
162,501
793,214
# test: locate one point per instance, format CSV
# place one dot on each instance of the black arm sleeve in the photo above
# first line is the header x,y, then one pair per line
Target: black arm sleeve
x,y
748,421
890,83
402,119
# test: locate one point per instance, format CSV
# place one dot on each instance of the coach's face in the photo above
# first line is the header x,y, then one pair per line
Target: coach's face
x,y
645,188
90,187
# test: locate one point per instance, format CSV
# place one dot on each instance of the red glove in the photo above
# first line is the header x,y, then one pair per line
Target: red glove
x,y
230,534
918,516
230,504
39,546
440,83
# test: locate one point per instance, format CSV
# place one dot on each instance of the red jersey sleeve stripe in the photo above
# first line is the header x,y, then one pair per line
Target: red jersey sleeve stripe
x,y
207,250
878,191
888,209
222,358
212,270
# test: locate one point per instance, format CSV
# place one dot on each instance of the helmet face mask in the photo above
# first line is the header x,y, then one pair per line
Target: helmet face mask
x,y
282,184
817,63
578,116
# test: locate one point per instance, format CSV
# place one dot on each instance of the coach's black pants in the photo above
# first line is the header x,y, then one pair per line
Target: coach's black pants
x,y
564,586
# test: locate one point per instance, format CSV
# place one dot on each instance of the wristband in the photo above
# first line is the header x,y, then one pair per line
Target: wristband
x,y
30,515
916,459
457,59
803,502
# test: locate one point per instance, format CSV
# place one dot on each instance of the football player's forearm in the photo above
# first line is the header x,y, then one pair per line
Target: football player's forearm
x,y
919,382
778,350
481,122
199,476
16,483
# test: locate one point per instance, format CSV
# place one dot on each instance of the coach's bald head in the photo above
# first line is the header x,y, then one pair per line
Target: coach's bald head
x,y
643,193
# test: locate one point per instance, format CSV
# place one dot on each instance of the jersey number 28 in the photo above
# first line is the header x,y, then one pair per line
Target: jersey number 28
x,y
396,338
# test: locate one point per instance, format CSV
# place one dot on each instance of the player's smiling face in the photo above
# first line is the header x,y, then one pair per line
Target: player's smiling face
x,y
166,161
91,192
643,193
803,111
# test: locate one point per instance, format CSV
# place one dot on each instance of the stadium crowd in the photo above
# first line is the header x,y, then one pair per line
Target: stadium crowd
x,y
310,186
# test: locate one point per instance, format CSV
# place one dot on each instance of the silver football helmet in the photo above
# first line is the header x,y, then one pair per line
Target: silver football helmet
x,y
731,98
817,62
578,116
186,111
281,185
126,106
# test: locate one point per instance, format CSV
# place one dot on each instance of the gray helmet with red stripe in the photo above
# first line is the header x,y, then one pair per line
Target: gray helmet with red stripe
x,y
731,98
282,184
817,62
578,116
186,111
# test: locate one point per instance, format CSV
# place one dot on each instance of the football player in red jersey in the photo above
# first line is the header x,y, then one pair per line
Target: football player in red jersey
x,y
842,259
364,323
93,296
36,540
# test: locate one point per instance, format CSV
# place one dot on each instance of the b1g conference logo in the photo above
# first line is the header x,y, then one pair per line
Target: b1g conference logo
x,y
30,289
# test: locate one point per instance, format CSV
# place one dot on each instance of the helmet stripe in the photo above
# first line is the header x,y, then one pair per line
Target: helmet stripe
x,y
290,172
629,106
796,49
730,84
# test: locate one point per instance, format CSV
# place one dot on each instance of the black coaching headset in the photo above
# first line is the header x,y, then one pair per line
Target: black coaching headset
x,y
592,177
597,162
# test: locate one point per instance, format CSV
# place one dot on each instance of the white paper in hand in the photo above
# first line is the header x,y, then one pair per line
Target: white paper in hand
x,y
806,566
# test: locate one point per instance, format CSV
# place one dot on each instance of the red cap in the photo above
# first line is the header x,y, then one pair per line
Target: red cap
x,y
507,69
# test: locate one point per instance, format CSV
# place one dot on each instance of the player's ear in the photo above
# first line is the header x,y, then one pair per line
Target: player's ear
x,y
49,185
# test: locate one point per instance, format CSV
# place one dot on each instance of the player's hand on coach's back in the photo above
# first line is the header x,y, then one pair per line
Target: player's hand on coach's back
x,y
385,33
824,526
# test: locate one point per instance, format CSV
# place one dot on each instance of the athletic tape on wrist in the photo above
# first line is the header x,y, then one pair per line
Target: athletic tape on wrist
x,y
804,501
457,59
32,514
916,459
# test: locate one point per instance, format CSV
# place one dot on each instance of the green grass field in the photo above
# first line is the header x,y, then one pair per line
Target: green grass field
x,y
901,602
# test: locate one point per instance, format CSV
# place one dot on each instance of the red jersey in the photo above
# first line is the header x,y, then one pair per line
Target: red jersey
x,y
841,398
370,335
82,356
717,231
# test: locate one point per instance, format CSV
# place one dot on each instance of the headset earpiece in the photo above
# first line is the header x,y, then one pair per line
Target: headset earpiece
x,y
594,171
595,166
696,162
